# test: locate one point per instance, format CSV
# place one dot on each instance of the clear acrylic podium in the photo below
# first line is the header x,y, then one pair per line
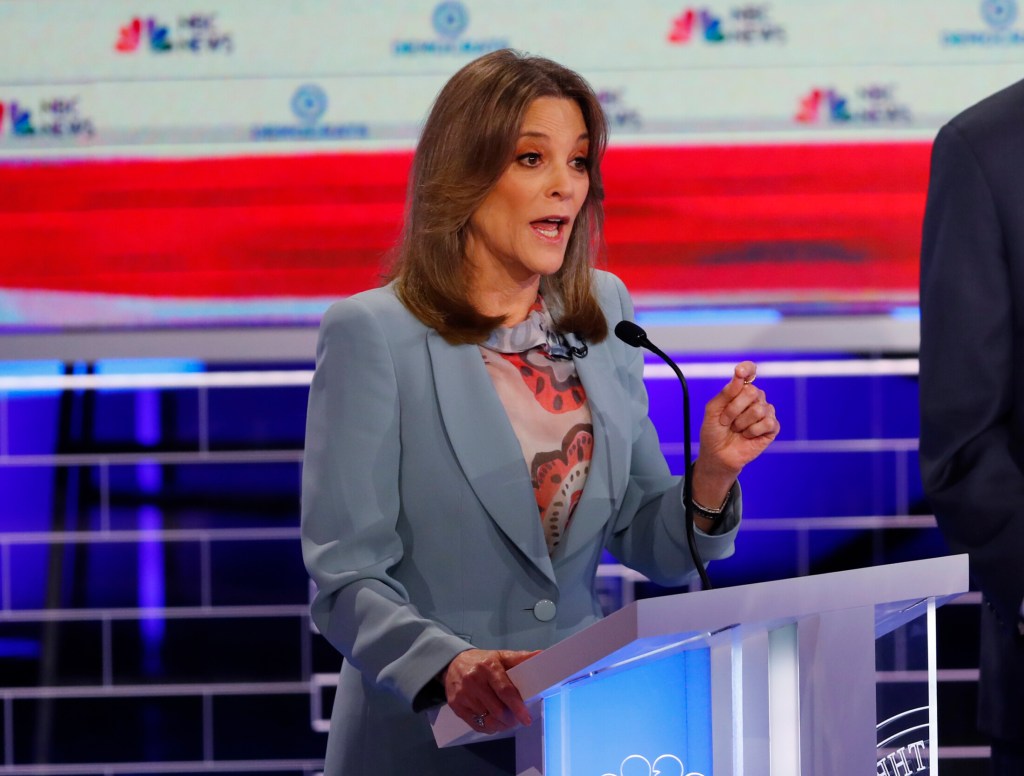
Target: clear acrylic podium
x,y
825,674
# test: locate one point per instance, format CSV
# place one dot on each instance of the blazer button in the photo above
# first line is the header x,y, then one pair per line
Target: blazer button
x,y
544,610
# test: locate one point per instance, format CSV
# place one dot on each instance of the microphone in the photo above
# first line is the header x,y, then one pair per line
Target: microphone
x,y
636,337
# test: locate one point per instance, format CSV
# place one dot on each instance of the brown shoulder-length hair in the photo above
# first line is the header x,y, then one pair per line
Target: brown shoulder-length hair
x,y
467,143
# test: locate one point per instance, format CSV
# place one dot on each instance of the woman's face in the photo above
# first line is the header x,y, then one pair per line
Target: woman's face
x,y
521,230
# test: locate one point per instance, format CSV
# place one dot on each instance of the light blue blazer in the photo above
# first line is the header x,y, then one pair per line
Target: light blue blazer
x,y
420,528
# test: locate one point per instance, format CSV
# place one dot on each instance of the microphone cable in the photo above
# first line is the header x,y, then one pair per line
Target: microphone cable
x,y
636,337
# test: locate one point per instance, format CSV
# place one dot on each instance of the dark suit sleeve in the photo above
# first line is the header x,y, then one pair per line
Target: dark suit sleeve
x,y
971,477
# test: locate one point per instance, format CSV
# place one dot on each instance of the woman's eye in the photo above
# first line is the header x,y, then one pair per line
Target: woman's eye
x,y
580,163
530,159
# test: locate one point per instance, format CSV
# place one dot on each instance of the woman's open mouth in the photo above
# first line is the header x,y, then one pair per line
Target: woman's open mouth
x,y
550,228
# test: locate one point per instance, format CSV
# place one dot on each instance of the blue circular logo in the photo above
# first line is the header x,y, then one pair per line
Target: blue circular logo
x,y
450,19
999,13
309,103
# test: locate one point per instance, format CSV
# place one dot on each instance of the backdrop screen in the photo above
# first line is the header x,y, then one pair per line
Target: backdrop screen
x,y
165,164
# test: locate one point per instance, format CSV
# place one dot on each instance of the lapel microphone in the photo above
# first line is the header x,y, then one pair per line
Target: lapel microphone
x,y
636,337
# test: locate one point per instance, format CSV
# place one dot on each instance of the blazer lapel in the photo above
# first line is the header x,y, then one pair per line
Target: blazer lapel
x,y
486,446
606,480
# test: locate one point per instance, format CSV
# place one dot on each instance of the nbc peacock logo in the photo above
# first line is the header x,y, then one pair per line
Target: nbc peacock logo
x,y
745,25
870,104
196,33
17,118
58,118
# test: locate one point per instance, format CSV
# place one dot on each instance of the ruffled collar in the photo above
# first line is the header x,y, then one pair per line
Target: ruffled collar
x,y
537,331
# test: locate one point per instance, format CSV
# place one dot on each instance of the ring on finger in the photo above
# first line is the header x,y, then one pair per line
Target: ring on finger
x,y
479,719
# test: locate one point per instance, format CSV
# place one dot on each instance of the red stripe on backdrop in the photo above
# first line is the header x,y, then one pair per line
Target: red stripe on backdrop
x,y
839,218
770,218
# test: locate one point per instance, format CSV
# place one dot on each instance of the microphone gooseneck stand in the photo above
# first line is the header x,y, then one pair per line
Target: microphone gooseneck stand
x,y
633,335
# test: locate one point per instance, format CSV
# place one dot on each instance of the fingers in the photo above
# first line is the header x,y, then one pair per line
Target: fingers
x,y
745,371
511,658
508,693
744,374
480,692
746,411
766,425
747,407
482,712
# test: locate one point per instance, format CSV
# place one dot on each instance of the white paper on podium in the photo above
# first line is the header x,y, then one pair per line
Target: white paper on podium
x,y
451,730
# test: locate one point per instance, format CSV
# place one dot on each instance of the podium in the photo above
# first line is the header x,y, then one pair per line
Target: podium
x,y
824,674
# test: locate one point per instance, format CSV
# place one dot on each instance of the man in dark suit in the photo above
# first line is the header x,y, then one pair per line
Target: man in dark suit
x,y
972,386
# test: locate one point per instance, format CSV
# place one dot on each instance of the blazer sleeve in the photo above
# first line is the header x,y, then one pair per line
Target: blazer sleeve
x,y
974,483
350,508
649,531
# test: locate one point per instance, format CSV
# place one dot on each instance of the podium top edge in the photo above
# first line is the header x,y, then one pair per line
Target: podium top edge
x,y
710,611
798,597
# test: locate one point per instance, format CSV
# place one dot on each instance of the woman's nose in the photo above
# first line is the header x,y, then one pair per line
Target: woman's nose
x,y
560,184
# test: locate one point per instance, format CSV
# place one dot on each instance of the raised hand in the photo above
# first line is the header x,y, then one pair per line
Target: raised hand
x,y
738,425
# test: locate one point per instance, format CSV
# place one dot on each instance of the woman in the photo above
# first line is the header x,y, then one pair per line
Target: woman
x,y
475,440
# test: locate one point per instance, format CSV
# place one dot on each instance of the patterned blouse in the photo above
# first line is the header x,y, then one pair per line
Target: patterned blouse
x,y
535,377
